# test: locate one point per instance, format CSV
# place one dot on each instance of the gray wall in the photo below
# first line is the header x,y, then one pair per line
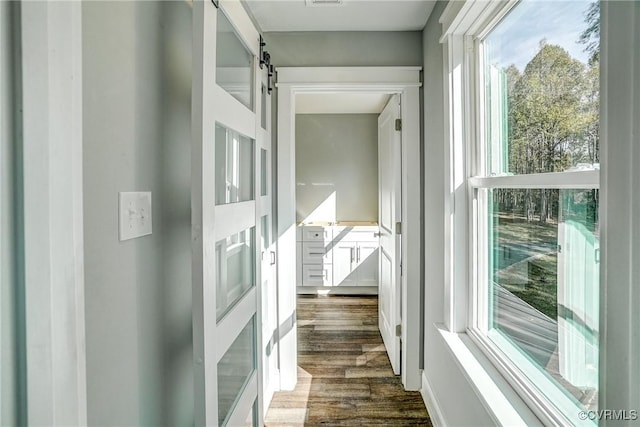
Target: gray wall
x,y
457,400
344,48
337,153
136,89
341,48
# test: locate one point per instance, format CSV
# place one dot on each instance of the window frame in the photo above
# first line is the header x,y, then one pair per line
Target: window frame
x,y
465,26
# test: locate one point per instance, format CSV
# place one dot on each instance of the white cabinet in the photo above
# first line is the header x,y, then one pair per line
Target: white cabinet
x,y
367,267
337,255
316,233
355,256
317,275
314,257
345,260
315,253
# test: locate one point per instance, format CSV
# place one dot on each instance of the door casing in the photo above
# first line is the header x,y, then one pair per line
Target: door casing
x,y
390,80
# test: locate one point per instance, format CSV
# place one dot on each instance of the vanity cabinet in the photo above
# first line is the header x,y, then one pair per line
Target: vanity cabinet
x,y
355,256
314,257
337,255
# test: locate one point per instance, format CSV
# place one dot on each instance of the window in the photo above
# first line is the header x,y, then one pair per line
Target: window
x,y
535,200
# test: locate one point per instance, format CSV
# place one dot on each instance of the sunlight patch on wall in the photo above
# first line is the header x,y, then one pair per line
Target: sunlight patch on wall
x,y
325,211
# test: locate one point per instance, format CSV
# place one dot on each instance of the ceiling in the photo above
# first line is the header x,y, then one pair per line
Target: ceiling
x,y
349,15
340,103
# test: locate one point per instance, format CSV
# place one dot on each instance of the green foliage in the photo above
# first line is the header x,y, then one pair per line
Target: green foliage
x,y
552,116
552,119
545,108
590,37
553,122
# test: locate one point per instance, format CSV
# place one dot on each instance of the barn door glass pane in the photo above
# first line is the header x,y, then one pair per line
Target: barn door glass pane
x,y
235,269
263,172
234,371
234,63
234,166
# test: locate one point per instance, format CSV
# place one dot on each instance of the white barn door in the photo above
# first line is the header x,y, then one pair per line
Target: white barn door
x,y
270,348
389,212
227,211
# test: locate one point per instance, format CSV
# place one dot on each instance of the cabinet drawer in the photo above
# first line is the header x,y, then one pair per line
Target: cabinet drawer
x,y
315,253
316,234
356,234
317,275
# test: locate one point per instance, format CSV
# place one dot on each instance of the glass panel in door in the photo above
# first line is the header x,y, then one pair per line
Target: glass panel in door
x,y
234,371
235,267
234,166
234,63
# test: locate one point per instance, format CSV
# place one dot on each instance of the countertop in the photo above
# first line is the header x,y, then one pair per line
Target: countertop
x,y
338,223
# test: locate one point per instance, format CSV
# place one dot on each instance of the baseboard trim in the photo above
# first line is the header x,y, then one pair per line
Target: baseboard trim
x,y
338,290
431,403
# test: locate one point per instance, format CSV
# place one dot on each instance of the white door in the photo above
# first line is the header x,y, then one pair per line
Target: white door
x,y
227,210
270,377
389,182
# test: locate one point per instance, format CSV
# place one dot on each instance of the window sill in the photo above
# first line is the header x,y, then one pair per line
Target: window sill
x,y
502,402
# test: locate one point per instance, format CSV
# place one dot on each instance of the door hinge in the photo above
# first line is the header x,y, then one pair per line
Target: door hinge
x,y
398,228
398,124
398,330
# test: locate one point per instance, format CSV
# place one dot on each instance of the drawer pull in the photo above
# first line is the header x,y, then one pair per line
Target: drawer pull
x,y
316,253
316,275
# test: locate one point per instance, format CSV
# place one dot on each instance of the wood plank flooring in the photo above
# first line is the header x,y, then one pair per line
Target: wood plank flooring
x,y
344,374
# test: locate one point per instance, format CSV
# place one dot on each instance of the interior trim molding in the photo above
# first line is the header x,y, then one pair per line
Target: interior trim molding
x,y
430,401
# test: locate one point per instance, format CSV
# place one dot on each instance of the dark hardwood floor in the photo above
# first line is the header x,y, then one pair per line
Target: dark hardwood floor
x,y
344,374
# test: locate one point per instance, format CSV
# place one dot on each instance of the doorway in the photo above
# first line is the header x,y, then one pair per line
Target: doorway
x,y
348,187
400,81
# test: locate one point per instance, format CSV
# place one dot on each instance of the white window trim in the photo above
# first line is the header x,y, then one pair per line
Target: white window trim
x,y
464,23
573,180
620,205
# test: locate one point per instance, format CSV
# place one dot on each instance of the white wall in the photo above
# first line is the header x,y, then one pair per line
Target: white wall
x,y
137,97
337,153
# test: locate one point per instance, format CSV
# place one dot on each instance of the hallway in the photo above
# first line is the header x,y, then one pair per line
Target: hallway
x,y
344,374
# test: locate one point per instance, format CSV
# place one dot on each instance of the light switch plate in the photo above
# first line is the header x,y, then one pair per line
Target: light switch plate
x,y
135,214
